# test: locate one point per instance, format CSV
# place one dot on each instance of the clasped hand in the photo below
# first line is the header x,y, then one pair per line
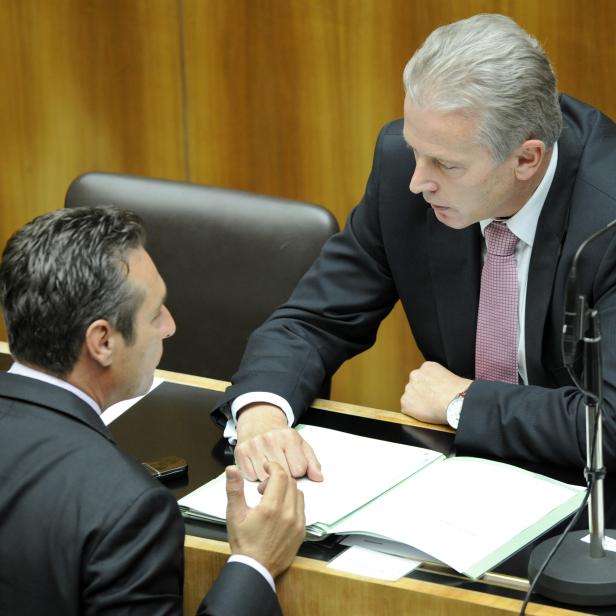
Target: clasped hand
x,y
430,389
263,435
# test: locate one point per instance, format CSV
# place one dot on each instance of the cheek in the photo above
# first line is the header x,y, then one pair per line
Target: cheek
x,y
488,189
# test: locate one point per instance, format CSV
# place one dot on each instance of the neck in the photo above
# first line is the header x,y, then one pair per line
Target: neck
x,y
93,381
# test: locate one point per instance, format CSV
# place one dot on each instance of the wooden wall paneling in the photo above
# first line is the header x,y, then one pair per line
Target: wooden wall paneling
x,y
287,98
87,85
284,97
579,39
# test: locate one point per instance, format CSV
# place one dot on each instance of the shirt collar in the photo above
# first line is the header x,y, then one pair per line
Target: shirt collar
x,y
523,224
31,373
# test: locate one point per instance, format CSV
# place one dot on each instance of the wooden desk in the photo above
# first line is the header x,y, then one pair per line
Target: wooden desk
x,y
308,588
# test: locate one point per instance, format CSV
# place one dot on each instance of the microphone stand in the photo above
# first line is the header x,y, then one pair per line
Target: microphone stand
x,y
579,573
594,435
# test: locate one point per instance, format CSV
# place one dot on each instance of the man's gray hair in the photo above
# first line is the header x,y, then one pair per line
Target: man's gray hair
x,y
490,67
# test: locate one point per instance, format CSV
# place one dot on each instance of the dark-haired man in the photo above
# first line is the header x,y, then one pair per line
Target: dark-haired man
x,y
83,528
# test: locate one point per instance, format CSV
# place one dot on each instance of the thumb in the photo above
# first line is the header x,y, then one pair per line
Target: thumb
x,y
236,503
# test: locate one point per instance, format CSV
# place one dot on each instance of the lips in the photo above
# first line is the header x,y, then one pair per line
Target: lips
x,y
436,206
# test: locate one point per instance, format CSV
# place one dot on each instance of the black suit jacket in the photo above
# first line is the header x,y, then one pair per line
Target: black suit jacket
x,y
394,248
83,528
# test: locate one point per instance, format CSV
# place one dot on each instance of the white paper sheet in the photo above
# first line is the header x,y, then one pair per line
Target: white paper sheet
x,y
467,509
361,561
355,469
388,547
115,410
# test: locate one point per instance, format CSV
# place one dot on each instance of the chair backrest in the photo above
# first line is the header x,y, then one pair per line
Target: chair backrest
x,y
228,258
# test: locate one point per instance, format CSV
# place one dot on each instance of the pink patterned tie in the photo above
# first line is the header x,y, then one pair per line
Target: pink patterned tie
x,y
496,351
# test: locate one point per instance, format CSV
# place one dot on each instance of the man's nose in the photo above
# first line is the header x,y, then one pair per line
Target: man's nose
x,y
421,181
168,325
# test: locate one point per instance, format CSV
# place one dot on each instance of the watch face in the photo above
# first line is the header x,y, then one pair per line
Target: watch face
x,y
453,411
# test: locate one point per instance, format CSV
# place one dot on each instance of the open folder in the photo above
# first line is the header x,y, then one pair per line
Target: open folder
x,y
469,513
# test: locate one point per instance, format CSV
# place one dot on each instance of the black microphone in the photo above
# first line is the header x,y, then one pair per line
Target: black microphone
x,y
563,567
574,324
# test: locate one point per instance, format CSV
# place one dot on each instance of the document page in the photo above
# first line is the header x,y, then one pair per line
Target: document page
x,y
356,469
467,512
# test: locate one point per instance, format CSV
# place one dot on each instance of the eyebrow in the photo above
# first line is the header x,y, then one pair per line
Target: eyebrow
x,y
448,161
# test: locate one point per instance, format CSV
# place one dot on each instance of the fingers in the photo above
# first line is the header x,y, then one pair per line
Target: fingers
x,y
301,512
253,455
313,467
295,456
285,447
294,502
262,486
276,487
406,401
236,503
275,528
295,518
289,503
280,492
259,427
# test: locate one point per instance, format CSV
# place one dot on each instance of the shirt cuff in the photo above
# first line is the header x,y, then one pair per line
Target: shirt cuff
x,y
256,565
250,398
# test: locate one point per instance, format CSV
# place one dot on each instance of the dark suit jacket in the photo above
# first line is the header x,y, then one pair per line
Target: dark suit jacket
x,y
394,248
83,528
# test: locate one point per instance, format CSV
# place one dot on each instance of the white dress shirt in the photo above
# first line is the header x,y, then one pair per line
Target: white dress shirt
x,y
523,224
22,370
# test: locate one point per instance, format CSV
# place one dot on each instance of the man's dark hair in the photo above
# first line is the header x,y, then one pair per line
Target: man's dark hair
x,y
60,273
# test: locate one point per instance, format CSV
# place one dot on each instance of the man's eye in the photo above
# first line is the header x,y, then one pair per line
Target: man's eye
x,y
446,166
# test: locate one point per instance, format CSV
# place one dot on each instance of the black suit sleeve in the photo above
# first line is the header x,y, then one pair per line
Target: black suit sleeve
x,y
135,564
333,314
240,590
136,567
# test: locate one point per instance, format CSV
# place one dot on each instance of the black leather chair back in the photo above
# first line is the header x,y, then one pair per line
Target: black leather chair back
x,y
228,258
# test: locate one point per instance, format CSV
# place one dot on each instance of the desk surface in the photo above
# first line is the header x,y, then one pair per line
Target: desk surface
x,y
174,420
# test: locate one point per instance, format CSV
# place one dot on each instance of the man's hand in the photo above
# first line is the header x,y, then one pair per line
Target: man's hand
x,y
271,532
429,391
263,435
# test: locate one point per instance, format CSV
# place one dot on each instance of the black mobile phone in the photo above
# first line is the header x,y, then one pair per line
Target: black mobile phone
x,y
169,467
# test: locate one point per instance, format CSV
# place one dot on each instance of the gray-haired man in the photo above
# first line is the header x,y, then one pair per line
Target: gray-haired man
x,y
486,145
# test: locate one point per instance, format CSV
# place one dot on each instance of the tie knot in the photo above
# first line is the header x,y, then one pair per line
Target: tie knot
x,y
500,240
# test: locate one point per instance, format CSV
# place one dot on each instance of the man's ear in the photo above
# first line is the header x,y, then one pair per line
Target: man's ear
x,y
529,157
100,342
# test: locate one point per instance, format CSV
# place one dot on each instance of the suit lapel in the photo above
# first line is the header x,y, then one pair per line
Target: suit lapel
x,y
455,263
51,399
546,252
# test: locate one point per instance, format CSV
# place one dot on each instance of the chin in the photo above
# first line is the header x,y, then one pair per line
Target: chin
x,y
147,384
453,223
144,387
